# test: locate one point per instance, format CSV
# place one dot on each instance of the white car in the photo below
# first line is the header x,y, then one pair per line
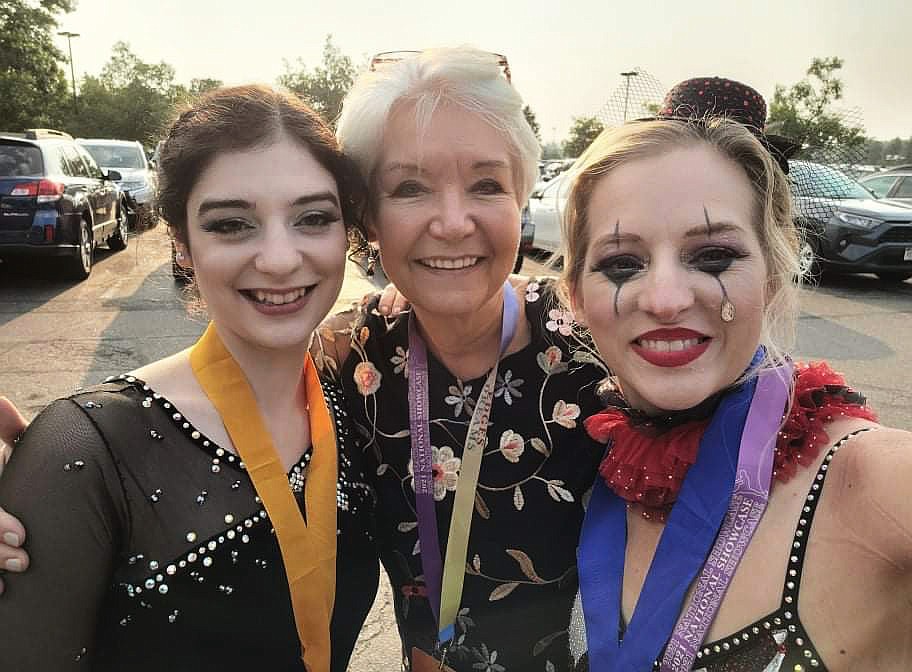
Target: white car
x,y
546,205
139,181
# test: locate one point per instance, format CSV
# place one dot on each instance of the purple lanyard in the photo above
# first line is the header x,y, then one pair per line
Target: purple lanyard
x,y
422,457
748,502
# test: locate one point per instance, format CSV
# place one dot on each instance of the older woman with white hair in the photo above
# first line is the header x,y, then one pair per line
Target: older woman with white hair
x,y
469,402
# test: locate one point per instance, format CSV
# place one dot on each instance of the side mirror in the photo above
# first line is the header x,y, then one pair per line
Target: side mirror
x,y
536,194
113,175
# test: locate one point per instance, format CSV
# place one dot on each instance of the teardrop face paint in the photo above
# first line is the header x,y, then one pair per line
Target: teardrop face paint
x,y
676,233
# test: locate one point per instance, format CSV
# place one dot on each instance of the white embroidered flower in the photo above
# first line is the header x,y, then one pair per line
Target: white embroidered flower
x,y
532,294
512,445
561,321
565,414
444,469
459,398
400,361
508,387
487,660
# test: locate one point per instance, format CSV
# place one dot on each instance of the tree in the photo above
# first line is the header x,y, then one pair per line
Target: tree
x,y
583,131
200,86
33,86
552,150
325,87
804,112
533,122
129,100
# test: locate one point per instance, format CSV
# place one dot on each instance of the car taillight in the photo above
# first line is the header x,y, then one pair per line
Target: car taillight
x,y
46,191
49,191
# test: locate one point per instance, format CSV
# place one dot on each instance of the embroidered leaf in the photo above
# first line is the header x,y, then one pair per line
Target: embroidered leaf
x,y
585,357
525,564
417,549
382,469
558,493
519,500
331,363
470,571
401,434
549,666
481,507
407,526
476,563
540,446
545,642
327,334
363,335
502,591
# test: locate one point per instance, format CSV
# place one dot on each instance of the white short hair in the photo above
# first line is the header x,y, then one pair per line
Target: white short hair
x,y
463,76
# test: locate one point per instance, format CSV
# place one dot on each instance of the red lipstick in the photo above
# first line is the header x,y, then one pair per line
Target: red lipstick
x,y
671,347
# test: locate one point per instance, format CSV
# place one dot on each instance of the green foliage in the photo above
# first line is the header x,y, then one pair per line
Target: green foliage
x,y
324,87
804,112
583,131
552,150
33,86
533,122
129,100
200,86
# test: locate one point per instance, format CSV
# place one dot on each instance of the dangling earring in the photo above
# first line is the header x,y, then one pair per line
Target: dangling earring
x,y
179,256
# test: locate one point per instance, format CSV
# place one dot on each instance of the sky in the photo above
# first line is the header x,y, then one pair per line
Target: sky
x,y
565,57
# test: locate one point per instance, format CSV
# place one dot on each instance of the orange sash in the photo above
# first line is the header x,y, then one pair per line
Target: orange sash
x,y
308,549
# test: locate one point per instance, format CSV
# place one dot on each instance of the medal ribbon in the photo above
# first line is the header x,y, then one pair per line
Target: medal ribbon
x,y
444,587
686,541
308,549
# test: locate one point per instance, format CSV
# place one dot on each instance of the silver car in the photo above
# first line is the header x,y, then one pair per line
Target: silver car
x,y
895,184
546,207
139,180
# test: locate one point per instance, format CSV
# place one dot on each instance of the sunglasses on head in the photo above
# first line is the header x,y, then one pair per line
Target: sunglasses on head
x,y
388,57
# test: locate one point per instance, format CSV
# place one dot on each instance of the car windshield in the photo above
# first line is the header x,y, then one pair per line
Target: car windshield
x,y
20,161
116,156
814,180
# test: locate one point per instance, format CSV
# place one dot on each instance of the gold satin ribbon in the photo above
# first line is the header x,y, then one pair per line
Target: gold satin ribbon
x,y
308,549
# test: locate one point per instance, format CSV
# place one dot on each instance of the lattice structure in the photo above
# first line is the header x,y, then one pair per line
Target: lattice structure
x,y
637,95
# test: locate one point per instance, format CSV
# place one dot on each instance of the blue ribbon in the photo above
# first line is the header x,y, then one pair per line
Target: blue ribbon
x,y
686,541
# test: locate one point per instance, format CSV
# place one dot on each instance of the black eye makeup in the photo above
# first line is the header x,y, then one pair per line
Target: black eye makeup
x,y
226,226
715,259
317,219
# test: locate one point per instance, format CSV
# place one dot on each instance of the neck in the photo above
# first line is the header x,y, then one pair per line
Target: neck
x,y
274,375
467,345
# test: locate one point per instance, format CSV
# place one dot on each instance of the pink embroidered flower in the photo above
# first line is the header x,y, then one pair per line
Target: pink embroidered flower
x,y
561,321
565,414
444,471
550,360
532,294
367,378
512,445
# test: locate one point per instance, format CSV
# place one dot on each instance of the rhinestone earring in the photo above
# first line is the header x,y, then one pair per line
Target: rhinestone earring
x,y
179,256
727,311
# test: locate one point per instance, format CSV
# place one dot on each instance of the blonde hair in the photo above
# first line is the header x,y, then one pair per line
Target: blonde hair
x,y
462,76
775,227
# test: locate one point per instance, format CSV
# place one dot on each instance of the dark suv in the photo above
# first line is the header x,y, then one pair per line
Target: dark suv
x,y
56,202
846,228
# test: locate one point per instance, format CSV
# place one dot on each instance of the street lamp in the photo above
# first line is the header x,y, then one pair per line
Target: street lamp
x,y
627,76
67,34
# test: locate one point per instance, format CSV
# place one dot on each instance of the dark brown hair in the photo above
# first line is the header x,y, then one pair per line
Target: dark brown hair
x,y
237,118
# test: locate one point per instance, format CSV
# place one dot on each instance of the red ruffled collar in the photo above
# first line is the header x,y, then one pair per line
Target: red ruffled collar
x,y
647,467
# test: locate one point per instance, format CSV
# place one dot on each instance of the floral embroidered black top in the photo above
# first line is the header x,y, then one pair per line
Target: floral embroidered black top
x,y
151,550
521,563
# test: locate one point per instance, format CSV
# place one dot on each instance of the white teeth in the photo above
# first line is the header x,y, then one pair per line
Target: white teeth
x,y
670,346
450,264
277,299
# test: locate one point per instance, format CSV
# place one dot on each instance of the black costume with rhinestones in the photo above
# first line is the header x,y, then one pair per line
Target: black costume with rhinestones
x,y
777,642
150,549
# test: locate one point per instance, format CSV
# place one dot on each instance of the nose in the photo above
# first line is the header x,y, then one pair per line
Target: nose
x,y
668,290
278,254
453,219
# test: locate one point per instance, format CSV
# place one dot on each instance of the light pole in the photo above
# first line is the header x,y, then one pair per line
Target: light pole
x,y
627,76
67,34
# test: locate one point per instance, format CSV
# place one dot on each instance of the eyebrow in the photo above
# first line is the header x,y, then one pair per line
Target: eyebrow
x,y
615,239
409,167
242,204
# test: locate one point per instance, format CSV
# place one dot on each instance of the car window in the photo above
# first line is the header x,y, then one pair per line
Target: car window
x,y
116,156
77,165
904,190
93,168
20,160
880,185
815,180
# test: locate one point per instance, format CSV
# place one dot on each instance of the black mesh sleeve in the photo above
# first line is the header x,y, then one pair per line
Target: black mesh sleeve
x,y
62,482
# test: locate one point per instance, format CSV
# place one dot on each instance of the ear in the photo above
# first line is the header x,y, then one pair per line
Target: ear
x,y
576,305
182,255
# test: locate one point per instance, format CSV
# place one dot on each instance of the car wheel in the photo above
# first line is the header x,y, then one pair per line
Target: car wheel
x,y
809,263
894,277
80,263
118,239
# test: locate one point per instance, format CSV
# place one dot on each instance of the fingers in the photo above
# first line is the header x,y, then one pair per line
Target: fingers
x,y
387,299
12,535
11,421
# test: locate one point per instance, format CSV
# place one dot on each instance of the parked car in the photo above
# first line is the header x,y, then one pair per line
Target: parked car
x,y
56,202
138,178
546,207
846,228
892,184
